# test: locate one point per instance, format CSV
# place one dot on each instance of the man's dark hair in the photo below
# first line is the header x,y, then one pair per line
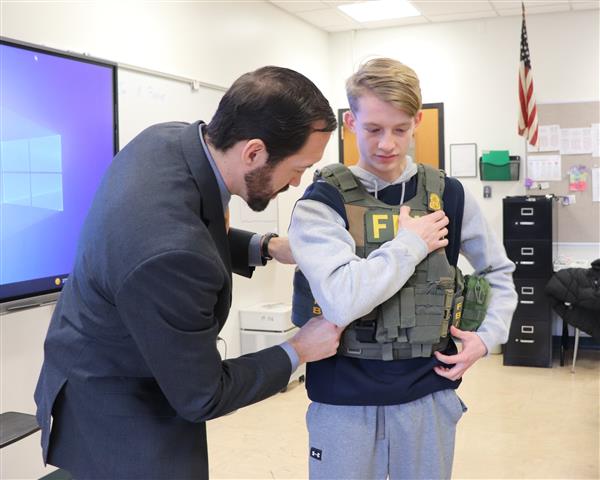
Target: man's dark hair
x,y
276,105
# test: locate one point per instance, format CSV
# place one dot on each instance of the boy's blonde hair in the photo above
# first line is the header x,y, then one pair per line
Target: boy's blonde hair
x,y
389,80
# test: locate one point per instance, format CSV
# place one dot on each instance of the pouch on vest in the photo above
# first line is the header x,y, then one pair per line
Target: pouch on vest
x,y
476,299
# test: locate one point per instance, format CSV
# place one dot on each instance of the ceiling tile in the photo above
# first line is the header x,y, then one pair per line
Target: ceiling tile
x,y
462,16
326,17
530,5
299,6
336,3
430,8
533,10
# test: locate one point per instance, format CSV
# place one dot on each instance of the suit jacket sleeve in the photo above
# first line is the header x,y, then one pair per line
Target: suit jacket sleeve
x,y
239,240
168,304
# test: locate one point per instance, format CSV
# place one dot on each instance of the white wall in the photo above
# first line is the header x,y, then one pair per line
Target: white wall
x,y
212,42
472,67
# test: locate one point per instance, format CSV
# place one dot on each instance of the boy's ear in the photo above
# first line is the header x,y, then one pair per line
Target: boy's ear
x,y
350,120
418,118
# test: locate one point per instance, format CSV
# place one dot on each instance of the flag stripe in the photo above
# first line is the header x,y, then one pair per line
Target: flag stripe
x,y
528,122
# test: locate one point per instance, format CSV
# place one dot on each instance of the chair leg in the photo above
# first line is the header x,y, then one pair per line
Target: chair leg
x,y
575,347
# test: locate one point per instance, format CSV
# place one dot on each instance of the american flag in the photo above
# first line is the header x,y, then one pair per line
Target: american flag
x,y
528,121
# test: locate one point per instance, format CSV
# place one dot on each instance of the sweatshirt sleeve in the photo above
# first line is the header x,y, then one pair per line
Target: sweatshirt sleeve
x,y
345,285
482,249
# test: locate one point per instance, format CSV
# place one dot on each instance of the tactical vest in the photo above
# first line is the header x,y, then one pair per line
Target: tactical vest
x,y
416,320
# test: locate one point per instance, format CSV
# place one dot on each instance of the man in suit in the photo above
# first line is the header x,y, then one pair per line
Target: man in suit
x,y
131,370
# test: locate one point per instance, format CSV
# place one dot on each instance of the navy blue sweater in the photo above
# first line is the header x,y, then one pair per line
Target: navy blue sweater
x,y
340,380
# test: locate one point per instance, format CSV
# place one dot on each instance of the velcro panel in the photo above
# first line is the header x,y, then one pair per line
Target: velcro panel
x,y
424,334
408,316
355,215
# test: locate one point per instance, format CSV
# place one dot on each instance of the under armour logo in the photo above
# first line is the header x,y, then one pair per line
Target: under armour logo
x,y
315,453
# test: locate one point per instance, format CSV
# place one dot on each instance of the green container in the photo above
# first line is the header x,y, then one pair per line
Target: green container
x,y
499,165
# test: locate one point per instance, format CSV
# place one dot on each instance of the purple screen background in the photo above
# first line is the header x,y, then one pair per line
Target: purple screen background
x,y
48,95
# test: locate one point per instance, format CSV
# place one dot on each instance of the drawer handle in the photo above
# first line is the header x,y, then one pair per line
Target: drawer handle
x,y
527,329
527,290
528,262
527,302
527,341
527,251
526,211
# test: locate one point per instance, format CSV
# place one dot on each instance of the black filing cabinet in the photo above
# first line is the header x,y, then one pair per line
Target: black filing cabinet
x,y
529,231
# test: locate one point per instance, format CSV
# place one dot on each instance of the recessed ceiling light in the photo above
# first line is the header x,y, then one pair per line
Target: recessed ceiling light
x,y
374,10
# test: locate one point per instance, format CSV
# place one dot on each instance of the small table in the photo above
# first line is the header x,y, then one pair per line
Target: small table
x,y
15,425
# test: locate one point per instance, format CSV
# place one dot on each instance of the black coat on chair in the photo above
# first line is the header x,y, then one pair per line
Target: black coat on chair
x,y
575,296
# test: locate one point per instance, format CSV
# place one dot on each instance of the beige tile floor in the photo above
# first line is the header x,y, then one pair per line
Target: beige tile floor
x,y
522,423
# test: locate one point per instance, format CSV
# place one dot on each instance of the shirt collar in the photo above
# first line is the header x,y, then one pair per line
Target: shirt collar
x,y
225,195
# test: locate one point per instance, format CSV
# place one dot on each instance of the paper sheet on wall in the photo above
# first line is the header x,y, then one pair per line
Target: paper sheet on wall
x,y
595,139
575,141
548,139
463,160
544,168
595,184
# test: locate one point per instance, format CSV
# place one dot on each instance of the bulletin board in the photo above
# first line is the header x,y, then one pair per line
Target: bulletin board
x,y
428,145
579,223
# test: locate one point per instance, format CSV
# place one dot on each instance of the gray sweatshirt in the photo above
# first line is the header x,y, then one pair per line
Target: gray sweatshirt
x,y
348,287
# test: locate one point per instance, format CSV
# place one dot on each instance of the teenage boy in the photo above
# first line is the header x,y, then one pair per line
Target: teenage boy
x,y
379,244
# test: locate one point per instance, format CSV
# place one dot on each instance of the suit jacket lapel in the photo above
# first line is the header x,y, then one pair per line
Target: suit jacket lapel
x,y
211,208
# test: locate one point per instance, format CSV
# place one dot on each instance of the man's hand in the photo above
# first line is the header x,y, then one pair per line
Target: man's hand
x,y
279,249
473,349
431,227
316,340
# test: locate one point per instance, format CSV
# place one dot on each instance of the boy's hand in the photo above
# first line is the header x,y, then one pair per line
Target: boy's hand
x,y
473,349
431,227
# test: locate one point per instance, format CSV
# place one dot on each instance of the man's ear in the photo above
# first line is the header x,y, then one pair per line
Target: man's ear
x,y
350,120
254,153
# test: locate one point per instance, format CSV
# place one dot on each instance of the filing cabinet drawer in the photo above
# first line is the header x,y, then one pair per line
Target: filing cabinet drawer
x,y
532,258
527,218
529,343
533,301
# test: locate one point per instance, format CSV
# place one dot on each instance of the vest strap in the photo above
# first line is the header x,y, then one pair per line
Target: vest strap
x,y
342,178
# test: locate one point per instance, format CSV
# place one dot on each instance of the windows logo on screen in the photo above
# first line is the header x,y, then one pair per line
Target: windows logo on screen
x,y
31,170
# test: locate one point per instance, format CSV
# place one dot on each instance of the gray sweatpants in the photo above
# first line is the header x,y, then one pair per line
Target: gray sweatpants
x,y
409,441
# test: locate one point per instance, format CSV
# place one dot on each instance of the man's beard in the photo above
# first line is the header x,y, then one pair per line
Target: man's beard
x,y
258,186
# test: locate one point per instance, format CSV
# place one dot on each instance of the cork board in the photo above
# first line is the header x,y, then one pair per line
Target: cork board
x,y
579,222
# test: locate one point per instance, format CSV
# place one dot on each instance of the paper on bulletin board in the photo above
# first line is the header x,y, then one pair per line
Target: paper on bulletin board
x,y
575,141
548,139
544,167
595,184
595,139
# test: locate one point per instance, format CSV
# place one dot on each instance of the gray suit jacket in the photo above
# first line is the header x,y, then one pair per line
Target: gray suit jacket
x,y
131,370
